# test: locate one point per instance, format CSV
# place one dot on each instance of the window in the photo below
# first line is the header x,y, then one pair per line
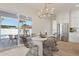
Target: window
x,y
11,27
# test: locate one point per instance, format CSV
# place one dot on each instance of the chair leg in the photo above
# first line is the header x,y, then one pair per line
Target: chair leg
x,y
16,42
33,51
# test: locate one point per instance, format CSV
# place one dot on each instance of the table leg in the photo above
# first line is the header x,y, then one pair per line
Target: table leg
x,y
40,52
40,47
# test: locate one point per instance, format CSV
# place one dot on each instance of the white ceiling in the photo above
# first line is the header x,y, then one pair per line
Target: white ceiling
x,y
58,6
35,7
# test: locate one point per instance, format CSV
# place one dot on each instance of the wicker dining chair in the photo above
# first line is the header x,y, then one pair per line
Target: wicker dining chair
x,y
49,46
27,41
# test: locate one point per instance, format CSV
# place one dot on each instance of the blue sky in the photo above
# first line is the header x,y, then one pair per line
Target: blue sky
x,y
12,21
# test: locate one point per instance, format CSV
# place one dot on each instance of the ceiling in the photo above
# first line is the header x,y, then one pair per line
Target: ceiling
x,y
35,7
58,6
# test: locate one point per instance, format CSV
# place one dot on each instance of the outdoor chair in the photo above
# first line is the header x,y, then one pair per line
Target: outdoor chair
x,y
13,39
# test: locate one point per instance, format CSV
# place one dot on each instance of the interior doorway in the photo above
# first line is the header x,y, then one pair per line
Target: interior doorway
x,y
63,32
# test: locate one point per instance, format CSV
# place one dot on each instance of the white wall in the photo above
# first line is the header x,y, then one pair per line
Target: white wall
x,y
63,17
74,37
37,25
54,26
41,25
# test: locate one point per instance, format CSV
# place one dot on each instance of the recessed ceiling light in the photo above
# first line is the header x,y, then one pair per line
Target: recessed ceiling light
x,y
76,5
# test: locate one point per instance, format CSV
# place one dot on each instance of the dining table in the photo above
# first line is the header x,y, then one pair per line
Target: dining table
x,y
39,42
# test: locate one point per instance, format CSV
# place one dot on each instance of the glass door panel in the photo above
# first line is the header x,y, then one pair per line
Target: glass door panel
x,y
8,30
25,26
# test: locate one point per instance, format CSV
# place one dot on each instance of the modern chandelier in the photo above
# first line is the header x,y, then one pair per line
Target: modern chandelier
x,y
46,11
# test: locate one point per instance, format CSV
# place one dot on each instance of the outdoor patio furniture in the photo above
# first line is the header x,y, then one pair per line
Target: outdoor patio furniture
x,y
13,38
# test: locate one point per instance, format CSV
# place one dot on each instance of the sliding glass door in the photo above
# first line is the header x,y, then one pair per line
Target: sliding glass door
x,y
25,26
8,30
12,27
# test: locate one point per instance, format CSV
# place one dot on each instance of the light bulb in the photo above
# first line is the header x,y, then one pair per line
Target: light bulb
x,y
47,9
41,10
